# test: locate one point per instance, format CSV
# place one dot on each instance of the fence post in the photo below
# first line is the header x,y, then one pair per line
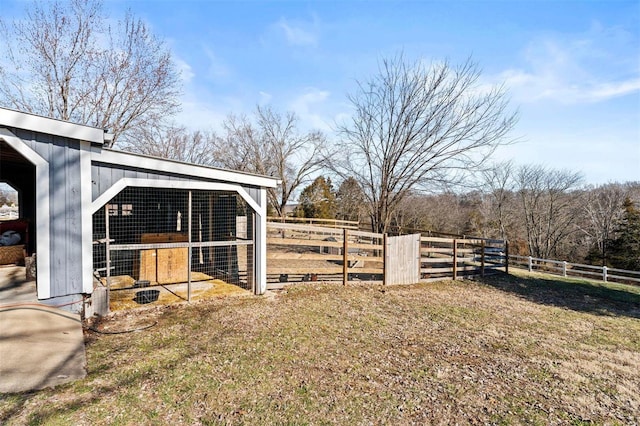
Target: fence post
x,y
604,274
530,264
482,259
345,256
506,255
419,256
384,259
564,268
455,260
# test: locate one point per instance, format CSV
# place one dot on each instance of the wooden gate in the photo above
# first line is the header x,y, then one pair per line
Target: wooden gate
x,y
402,259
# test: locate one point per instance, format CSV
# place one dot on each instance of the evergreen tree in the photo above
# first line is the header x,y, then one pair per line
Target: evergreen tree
x,y
625,249
318,200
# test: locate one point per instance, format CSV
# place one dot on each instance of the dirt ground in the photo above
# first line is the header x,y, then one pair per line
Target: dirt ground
x,y
124,296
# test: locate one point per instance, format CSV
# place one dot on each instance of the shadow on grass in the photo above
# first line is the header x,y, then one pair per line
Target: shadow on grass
x,y
578,295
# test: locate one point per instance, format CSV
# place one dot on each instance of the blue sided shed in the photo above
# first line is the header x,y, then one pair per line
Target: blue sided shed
x,y
97,215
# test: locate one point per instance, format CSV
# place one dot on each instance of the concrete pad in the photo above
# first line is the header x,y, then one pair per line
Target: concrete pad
x,y
14,285
40,346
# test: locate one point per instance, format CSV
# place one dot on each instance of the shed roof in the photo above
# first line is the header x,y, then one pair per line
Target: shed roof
x,y
38,123
97,137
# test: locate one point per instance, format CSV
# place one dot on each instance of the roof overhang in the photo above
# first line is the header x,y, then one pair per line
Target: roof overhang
x,y
137,161
36,123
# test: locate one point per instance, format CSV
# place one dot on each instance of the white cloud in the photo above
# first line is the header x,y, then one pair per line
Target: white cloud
x,y
299,33
583,68
610,90
309,107
216,67
265,97
198,115
185,70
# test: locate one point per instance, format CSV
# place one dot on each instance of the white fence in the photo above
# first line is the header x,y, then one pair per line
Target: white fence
x,y
567,269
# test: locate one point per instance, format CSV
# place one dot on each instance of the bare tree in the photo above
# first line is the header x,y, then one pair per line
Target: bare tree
x,y
414,126
175,143
548,207
603,211
349,200
66,64
271,145
498,181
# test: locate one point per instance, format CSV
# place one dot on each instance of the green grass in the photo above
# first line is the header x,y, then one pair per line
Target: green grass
x,y
526,349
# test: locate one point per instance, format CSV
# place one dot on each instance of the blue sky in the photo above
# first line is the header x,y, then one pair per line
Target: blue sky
x,y
572,68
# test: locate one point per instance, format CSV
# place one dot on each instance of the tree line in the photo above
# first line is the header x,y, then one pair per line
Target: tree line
x,y
418,130
542,212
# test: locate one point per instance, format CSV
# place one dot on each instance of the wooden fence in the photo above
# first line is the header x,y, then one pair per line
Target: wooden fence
x,y
327,223
298,253
311,253
567,269
459,257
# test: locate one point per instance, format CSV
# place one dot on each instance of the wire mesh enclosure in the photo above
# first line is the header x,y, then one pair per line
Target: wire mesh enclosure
x,y
156,236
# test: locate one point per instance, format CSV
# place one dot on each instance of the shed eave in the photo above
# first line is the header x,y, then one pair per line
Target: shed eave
x,y
137,161
36,123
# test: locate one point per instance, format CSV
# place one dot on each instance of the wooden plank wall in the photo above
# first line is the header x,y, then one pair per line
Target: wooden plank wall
x,y
65,210
402,259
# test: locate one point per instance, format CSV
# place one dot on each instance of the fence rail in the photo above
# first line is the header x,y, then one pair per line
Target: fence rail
x,y
298,252
458,257
328,223
302,252
567,269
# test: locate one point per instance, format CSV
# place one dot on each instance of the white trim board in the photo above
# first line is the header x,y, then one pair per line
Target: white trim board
x,y
152,164
86,217
260,243
36,123
123,183
43,247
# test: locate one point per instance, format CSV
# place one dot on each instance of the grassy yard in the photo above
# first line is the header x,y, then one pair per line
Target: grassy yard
x,y
525,349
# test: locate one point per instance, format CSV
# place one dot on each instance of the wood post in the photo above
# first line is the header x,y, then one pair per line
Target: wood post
x,y
345,256
384,259
455,259
482,259
506,257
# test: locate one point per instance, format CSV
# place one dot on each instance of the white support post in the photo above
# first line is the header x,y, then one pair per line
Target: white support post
x,y
564,268
604,273
107,251
530,264
260,245
189,250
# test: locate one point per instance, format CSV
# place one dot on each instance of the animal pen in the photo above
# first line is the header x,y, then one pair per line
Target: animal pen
x,y
105,224
184,241
299,253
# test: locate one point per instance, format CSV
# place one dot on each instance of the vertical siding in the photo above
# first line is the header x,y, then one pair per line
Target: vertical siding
x,y
65,207
66,217
253,193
